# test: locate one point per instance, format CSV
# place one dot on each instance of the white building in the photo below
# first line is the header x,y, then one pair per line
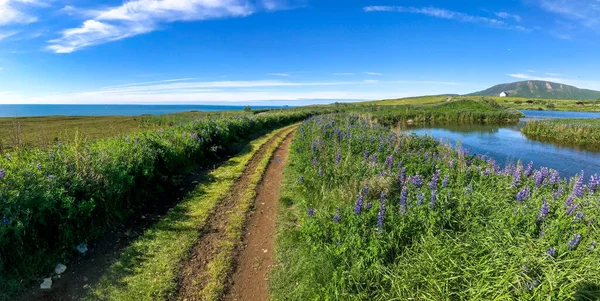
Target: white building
x,y
503,94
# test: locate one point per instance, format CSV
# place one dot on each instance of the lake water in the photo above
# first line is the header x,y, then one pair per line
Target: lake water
x,y
109,110
507,144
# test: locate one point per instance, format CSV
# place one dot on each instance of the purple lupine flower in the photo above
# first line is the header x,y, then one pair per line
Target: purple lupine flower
x,y
381,214
301,179
539,178
445,181
451,163
593,246
314,162
382,196
569,201
400,165
7,157
434,180
532,285
433,199
137,139
51,177
2,174
373,158
517,176
6,221
366,155
574,242
402,176
368,206
314,146
365,190
544,210
578,217
594,183
579,188
469,189
571,209
389,161
416,181
338,158
320,171
337,218
420,197
311,212
551,252
528,169
524,194
359,205
128,139
554,178
403,203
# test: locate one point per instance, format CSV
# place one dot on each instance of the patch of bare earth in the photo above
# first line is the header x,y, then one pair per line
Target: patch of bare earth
x,y
255,257
194,275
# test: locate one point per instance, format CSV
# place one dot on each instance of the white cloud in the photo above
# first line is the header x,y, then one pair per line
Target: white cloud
x,y
12,12
4,35
370,81
505,15
554,74
446,14
188,91
278,74
136,17
373,73
343,74
584,12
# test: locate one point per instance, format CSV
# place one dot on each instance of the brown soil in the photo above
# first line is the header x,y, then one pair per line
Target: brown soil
x,y
249,282
194,275
85,271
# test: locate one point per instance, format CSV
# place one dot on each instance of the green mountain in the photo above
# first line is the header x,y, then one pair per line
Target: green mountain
x,y
540,89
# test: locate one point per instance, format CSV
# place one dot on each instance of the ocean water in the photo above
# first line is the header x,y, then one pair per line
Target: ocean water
x,y
110,110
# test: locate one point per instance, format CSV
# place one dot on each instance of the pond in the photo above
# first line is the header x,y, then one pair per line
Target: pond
x,y
506,144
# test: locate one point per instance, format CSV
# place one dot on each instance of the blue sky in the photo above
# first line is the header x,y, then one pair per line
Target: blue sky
x,y
287,51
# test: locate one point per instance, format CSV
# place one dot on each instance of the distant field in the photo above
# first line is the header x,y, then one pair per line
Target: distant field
x,y
513,102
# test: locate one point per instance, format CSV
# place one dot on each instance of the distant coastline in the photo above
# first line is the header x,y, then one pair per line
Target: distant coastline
x,y
39,110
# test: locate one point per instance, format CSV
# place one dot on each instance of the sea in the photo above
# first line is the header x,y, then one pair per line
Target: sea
x,y
111,110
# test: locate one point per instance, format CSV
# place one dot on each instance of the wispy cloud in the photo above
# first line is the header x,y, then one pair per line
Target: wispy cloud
x,y
373,73
135,17
584,12
278,74
447,14
7,34
370,81
13,11
505,15
344,74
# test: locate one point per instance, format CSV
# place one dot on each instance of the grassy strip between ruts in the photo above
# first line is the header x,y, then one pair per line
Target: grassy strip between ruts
x,y
218,268
148,268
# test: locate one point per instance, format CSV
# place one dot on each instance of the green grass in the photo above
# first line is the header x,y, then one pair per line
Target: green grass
x,y
476,241
148,268
583,133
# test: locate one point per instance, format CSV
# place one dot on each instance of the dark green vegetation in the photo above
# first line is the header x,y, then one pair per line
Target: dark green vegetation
x,y
53,199
540,89
371,214
574,132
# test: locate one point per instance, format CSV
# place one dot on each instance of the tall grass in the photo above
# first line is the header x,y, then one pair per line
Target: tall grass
x,y
578,132
373,214
53,199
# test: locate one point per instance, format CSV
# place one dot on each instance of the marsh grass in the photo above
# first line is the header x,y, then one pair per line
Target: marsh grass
x,y
584,133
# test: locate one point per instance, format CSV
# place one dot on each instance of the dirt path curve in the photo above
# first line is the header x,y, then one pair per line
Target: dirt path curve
x,y
254,261
195,272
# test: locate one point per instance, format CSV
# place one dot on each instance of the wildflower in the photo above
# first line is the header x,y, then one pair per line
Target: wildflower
x,y
7,157
311,212
137,139
127,139
420,198
594,183
368,206
366,155
579,188
434,180
554,178
539,178
389,161
578,217
51,177
544,210
574,242
2,173
593,246
338,158
314,146
557,193
402,176
400,165
451,163
416,181
571,209
569,201
433,199
445,181
551,251
337,218
314,162
528,169
365,190
524,194
403,204
6,221
301,179
532,285
382,196
320,171
359,204
381,215
373,158
194,136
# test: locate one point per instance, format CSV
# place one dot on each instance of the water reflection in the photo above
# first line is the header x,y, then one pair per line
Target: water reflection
x,y
507,144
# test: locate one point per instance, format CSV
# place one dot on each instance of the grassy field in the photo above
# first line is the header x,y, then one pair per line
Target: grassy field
x,y
373,214
583,133
511,102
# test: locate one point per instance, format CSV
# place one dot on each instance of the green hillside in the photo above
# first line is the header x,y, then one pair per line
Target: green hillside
x,y
540,89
